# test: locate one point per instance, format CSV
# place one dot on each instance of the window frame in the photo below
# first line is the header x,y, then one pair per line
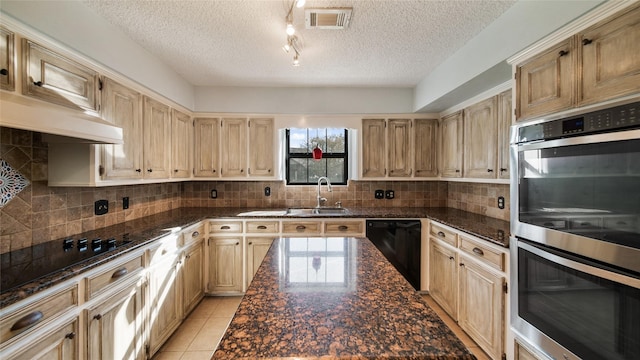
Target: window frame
x,y
325,155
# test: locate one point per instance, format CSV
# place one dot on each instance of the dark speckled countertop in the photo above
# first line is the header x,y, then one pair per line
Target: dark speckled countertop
x,y
145,230
325,298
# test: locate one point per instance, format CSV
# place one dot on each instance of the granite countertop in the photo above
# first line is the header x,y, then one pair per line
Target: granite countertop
x,y
142,231
323,298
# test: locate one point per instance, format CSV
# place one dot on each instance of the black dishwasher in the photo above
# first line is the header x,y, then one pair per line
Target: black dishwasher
x,y
399,241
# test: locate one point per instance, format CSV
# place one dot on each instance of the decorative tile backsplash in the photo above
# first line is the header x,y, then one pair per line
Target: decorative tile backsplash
x,y
11,183
39,213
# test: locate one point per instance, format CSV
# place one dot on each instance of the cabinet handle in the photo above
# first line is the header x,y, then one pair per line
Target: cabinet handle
x,y
300,227
503,169
175,170
195,234
563,53
70,336
241,170
478,251
586,41
214,170
4,72
38,83
441,234
457,170
188,257
451,257
262,227
225,227
269,170
250,242
489,170
119,273
138,170
97,317
237,243
343,228
149,170
28,320
461,265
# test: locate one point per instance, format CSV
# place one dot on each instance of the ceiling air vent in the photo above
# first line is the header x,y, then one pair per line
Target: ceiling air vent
x,y
327,18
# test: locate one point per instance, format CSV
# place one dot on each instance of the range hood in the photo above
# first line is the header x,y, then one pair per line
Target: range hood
x,y
67,125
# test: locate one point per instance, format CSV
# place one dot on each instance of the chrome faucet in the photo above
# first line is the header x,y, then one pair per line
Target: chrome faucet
x,y
320,198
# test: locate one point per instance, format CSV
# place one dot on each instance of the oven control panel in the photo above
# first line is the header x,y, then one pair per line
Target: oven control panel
x,y
620,117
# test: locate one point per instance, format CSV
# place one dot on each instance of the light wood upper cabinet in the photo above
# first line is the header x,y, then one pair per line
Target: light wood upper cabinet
x,y
122,107
505,119
398,147
425,135
261,147
207,145
451,145
225,264
611,57
234,147
51,77
546,83
180,144
7,54
115,329
373,150
157,139
480,137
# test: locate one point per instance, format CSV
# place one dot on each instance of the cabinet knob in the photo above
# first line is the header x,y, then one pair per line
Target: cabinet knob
x,y
4,72
461,265
457,170
97,317
70,336
503,169
586,41
27,320
489,170
451,258
138,170
214,170
175,170
563,53
237,243
149,170
269,170
38,83
250,242
242,170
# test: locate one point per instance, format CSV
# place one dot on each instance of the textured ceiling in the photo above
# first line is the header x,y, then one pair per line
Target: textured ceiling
x,y
238,42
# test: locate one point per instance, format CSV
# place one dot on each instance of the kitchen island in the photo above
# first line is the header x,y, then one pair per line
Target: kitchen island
x,y
334,298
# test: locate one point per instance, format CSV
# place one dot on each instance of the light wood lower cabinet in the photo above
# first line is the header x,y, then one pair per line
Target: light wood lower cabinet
x,y
257,248
115,326
165,312
225,264
193,276
443,273
58,344
523,353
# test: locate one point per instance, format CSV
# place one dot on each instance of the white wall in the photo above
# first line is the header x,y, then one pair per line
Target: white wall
x,y
78,28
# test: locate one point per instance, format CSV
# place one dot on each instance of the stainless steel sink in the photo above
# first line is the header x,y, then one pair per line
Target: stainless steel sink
x,y
324,211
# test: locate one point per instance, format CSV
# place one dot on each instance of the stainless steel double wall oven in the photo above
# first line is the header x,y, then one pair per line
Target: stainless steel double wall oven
x,y
576,234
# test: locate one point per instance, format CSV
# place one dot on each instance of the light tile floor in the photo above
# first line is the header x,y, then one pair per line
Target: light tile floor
x,y
199,334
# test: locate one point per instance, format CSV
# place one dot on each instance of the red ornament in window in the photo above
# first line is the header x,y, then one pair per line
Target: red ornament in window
x,y
317,153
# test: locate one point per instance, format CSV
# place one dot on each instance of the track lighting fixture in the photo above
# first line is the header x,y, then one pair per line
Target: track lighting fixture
x,y
293,43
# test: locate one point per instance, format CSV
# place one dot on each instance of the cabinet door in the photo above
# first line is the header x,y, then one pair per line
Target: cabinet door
x,y
193,276
451,148
225,265
157,139
56,79
480,139
504,127
481,306
611,58
425,144
398,147
7,54
207,144
546,83
443,277
373,149
257,248
180,144
122,107
234,147
165,312
261,147
115,329
59,344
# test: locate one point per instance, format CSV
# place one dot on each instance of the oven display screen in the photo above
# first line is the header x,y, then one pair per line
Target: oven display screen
x,y
572,126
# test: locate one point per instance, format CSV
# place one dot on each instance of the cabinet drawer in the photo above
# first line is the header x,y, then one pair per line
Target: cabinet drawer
x,y
301,227
225,226
343,227
262,226
192,235
35,315
443,234
167,246
113,275
486,254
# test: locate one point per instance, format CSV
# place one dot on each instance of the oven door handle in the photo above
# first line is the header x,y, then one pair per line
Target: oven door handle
x,y
575,263
579,140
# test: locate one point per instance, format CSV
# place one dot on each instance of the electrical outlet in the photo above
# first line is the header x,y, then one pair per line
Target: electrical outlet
x,y
379,194
500,202
389,194
214,194
267,191
125,203
101,207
